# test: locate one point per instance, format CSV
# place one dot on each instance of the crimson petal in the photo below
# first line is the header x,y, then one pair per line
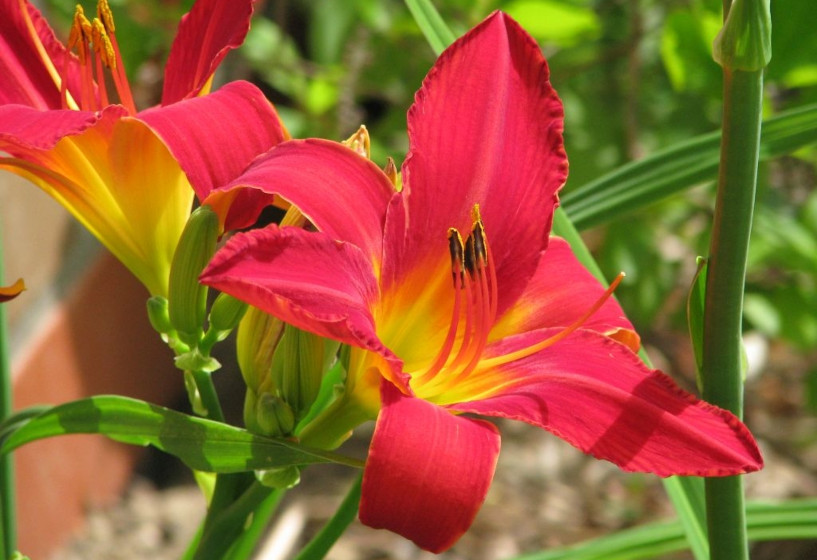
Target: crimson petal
x,y
304,278
427,472
342,193
26,78
486,128
206,34
559,292
597,395
215,137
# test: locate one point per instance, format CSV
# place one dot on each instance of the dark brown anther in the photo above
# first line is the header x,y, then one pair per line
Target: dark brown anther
x,y
457,256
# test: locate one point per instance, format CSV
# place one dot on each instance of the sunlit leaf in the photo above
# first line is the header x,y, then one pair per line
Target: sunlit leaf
x,y
201,444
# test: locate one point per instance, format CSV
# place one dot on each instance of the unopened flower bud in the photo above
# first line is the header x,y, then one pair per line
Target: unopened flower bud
x,y
158,315
257,338
226,312
300,361
745,41
273,416
187,298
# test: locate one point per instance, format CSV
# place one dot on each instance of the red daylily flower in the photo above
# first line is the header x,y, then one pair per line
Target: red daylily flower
x,y
127,175
456,299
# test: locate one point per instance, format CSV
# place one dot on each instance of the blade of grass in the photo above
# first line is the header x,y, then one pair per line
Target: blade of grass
x,y
319,546
435,30
674,169
795,519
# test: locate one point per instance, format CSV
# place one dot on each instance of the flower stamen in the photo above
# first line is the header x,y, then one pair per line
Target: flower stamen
x,y
490,363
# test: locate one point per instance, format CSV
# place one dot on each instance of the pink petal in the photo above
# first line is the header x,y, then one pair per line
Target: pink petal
x,y
24,128
343,194
486,128
215,137
560,292
206,34
597,395
304,278
428,471
26,79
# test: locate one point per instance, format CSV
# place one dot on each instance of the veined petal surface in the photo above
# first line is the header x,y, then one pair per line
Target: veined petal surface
x,y
305,278
206,34
216,136
427,472
594,393
560,292
342,193
485,128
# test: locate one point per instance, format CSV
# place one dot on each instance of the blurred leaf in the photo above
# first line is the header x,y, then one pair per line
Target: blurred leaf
x,y
794,519
275,58
686,50
436,32
553,21
201,444
683,165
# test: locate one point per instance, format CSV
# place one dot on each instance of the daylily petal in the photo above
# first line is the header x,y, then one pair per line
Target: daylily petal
x,y
206,34
486,128
216,136
559,292
31,58
343,194
427,472
112,173
304,278
594,393
10,292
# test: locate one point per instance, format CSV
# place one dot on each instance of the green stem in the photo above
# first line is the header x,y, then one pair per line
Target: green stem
x,y
721,368
219,535
208,395
8,528
320,545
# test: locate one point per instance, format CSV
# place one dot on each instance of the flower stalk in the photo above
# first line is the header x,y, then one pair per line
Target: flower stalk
x,y
737,182
8,528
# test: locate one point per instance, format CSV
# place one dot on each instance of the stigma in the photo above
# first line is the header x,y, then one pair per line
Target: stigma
x,y
94,42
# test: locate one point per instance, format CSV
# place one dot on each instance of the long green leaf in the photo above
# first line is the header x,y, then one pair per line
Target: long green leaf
x,y
796,519
201,444
436,32
678,167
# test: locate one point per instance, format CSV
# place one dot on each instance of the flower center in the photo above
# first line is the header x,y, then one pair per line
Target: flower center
x,y
474,312
97,49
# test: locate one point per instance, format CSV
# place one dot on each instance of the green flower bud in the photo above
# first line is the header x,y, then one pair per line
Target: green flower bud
x,y
226,312
300,361
273,416
187,298
257,338
745,41
158,316
280,478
